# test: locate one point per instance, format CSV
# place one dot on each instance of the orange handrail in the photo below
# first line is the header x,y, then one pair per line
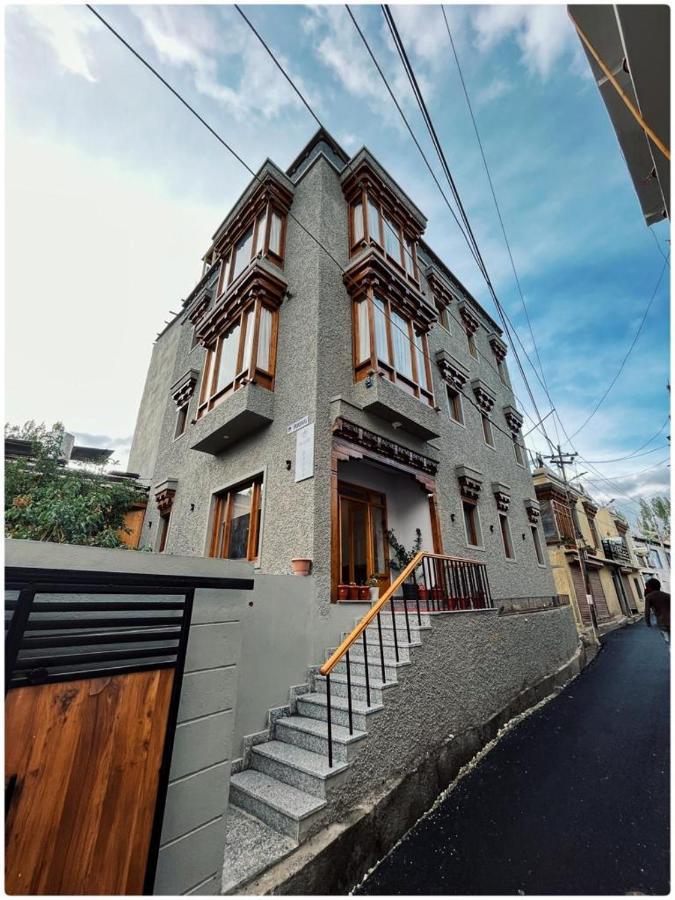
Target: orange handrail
x,y
335,658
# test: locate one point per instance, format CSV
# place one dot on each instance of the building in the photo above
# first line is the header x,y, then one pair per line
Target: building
x,y
633,43
329,379
653,558
583,536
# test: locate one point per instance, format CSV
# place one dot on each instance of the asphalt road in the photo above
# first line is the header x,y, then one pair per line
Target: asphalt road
x,y
573,801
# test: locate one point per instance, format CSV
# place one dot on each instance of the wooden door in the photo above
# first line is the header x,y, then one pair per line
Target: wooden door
x,y
82,762
601,608
363,542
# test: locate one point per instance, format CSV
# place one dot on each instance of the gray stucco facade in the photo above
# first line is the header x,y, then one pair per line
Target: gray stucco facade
x,y
315,378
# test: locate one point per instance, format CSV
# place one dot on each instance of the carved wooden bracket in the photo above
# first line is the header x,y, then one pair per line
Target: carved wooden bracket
x,y
485,396
469,318
513,418
533,511
502,494
362,437
499,348
184,388
164,494
453,371
470,482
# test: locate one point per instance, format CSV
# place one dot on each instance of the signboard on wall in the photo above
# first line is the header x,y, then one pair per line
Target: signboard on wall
x,y
304,453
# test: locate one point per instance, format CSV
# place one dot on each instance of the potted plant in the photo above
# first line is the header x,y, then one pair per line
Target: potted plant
x,y
423,593
364,593
301,565
343,591
373,588
353,590
403,557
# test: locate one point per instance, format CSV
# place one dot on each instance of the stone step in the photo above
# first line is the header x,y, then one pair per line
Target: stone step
x,y
300,768
312,734
315,706
338,685
356,653
388,642
282,807
251,846
387,621
358,667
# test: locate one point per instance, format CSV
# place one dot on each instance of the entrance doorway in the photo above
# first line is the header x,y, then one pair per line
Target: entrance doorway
x,y
363,535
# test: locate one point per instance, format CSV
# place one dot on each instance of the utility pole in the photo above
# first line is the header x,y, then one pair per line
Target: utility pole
x,y
561,460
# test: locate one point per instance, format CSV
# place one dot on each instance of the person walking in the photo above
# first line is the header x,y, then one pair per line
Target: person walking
x,y
657,601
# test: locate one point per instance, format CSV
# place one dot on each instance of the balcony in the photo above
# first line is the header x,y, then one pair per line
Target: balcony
x,y
617,550
379,396
240,414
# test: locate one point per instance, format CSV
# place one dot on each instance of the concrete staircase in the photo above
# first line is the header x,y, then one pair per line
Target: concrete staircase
x,y
282,797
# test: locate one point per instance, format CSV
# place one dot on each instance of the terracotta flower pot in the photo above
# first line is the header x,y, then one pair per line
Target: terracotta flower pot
x,y
364,593
437,592
353,591
343,591
424,593
301,565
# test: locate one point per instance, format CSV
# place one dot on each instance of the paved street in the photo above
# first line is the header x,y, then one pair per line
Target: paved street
x,y
573,801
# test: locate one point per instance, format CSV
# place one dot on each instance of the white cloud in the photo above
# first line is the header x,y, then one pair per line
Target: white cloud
x,y
543,33
492,91
64,28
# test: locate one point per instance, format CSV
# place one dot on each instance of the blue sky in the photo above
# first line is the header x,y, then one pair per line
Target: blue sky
x,y
113,191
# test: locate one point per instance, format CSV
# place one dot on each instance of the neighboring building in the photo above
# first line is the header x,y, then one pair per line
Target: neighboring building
x,y
654,559
633,41
580,531
309,398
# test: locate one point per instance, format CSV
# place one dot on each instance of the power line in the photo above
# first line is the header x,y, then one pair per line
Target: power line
x,y
657,465
257,177
628,352
629,456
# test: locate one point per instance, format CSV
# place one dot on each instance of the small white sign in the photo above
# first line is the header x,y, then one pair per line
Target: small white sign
x,y
589,599
296,426
304,453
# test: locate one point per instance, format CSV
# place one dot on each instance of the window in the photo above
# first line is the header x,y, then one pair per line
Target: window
x,y
471,523
518,451
387,341
370,223
471,341
236,522
594,532
163,532
263,237
443,316
564,520
229,363
639,588
501,369
487,431
506,536
455,405
654,559
181,420
537,545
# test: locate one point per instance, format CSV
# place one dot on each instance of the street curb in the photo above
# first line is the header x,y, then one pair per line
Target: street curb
x,y
338,857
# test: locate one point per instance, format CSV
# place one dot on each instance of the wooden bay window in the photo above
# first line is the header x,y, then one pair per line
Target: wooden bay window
x,y
370,223
245,350
388,341
265,235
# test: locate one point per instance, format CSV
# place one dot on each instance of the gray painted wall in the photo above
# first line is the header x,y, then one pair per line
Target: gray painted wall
x,y
191,849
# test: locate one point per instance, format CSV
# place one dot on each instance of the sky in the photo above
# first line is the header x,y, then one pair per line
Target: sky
x,y
114,190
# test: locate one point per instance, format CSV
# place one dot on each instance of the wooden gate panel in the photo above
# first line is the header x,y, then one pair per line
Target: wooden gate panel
x,y
580,591
87,756
601,608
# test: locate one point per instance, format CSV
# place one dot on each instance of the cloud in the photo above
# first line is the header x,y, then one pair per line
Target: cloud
x,y
543,34
64,27
492,91
197,40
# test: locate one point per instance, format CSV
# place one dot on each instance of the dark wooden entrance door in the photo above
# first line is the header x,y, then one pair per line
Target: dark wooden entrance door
x,y
363,540
83,760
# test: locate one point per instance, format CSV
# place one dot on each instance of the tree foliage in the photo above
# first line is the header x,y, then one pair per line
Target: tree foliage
x,y
654,517
45,501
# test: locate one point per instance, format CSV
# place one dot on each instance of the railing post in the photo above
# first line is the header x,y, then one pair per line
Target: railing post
x,y
393,619
365,656
349,693
330,730
379,630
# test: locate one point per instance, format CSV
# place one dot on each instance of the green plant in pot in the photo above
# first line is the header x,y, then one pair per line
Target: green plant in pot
x,y
402,557
374,588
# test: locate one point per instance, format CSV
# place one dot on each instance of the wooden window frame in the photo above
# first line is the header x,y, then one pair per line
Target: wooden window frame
x,y
518,451
453,394
488,432
225,275
164,522
181,420
468,504
222,519
594,531
501,369
245,370
538,548
362,368
507,538
356,245
471,341
371,500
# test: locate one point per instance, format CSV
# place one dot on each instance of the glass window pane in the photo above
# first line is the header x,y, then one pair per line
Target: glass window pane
x,y
265,339
402,350
228,358
381,345
373,221
364,331
378,542
357,222
392,243
506,537
243,253
470,524
206,377
421,363
248,340
275,234
409,258
260,240
240,523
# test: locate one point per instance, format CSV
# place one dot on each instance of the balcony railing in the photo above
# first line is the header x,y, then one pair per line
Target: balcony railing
x,y
430,583
617,550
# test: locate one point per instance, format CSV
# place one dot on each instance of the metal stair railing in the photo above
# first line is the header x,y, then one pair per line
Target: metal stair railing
x,y
431,581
